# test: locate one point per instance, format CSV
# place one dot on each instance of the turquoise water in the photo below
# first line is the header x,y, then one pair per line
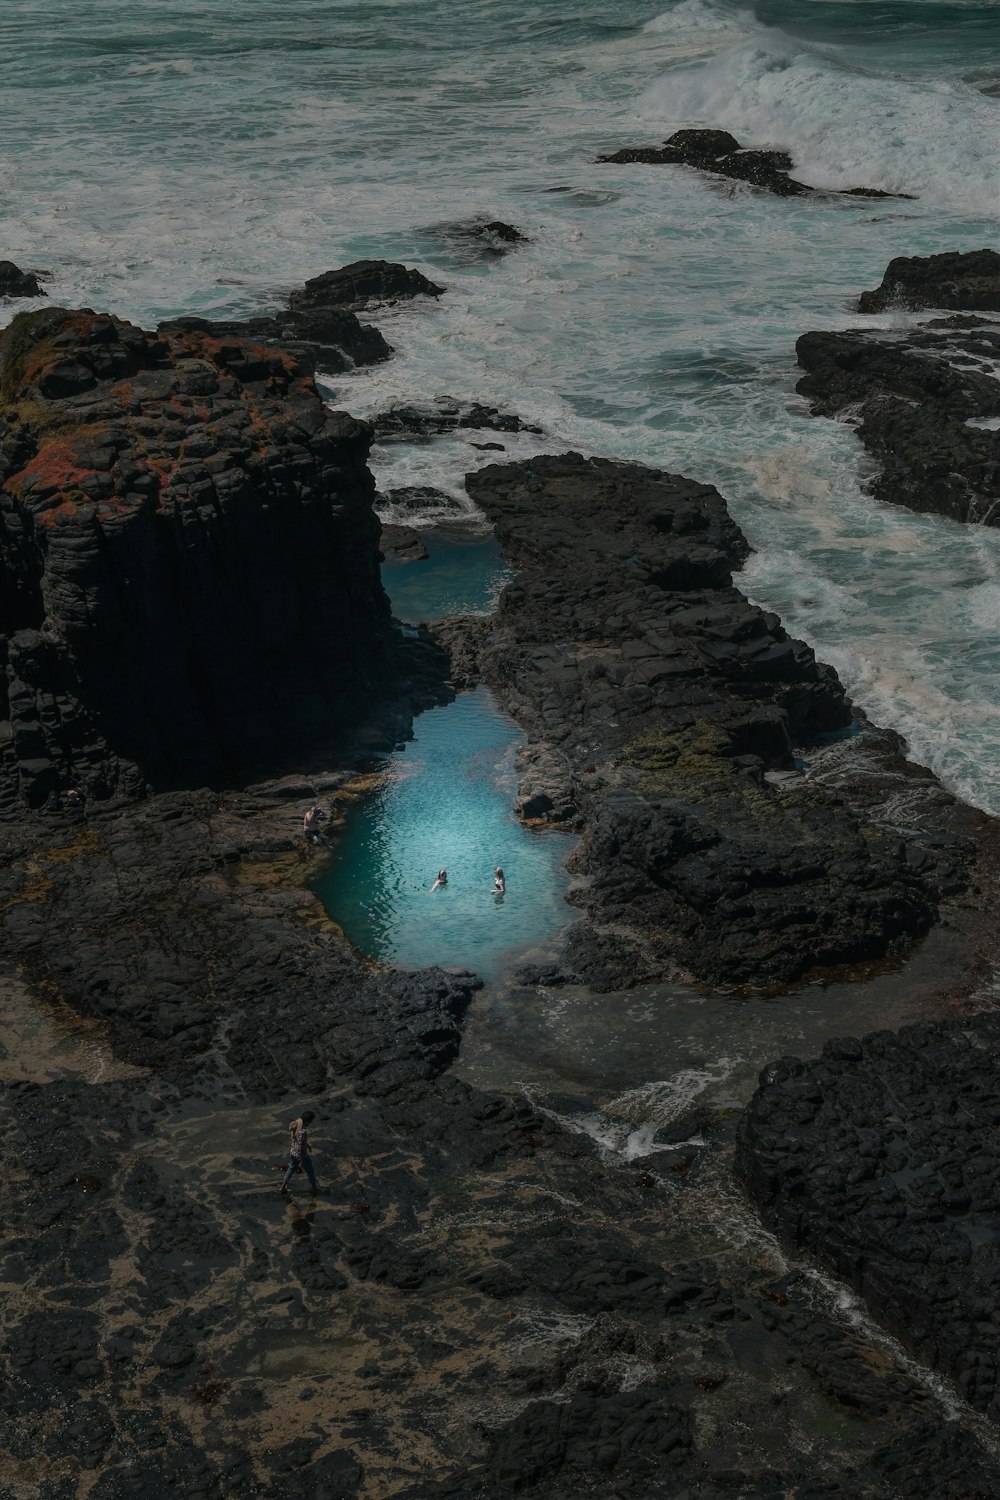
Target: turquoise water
x,y
170,158
462,575
446,803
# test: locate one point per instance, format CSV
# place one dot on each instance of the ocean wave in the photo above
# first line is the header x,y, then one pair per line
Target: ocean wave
x,y
844,126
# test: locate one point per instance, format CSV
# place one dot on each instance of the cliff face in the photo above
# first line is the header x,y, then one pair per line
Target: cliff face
x,y
189,564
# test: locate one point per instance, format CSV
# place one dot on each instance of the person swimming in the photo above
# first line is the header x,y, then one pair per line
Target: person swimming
x,y
442,879
499,882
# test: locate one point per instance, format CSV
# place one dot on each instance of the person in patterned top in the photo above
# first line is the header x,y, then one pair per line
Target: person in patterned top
x,y
299,1155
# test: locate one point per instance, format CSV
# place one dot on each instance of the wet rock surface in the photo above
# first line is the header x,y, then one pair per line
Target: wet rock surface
x,y
881,1158
17,283
443,415
670,701
925,402
718,152
362,284
333,340
961,280
189,571
477,239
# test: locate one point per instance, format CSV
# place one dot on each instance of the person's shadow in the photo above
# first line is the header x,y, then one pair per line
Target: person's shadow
x,y
302,1219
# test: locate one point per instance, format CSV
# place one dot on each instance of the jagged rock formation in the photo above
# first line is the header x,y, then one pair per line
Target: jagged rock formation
x,y
361,284
926,404
624,646
964,281
17,283
718,152
189,565
882,1159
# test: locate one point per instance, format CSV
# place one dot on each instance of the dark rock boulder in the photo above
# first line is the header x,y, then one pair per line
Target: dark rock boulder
x,y
361,284
962,280
421,499
189,561
925,403
881,1158
435,418
17,283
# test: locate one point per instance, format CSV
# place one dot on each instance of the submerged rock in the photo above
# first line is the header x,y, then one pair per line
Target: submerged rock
x,y
189,566
362,284
478,239
962,280
925,402
17,283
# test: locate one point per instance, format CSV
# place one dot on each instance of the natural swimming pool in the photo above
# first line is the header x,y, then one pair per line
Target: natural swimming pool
x,y
445,801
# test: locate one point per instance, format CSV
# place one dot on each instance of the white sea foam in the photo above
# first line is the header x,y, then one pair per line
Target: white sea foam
x,y
844,127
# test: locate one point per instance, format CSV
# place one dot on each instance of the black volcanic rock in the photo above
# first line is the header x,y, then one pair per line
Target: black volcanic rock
x,y
361,284
332,339
189,565
477,239
962,280
17,283
624,646
923,401
882,1158
434,418
720,153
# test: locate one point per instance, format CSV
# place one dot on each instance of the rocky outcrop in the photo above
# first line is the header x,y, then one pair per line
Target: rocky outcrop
x,y
718,152
964,281
926,404
189,564
17,283
403,543
422,421
333,340
362,284
624,645
882,1159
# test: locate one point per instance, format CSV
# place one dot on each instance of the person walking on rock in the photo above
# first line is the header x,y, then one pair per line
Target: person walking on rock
x,y
299,1154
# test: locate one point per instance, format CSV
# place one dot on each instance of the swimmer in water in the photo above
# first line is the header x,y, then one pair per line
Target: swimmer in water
x,y
499,883
442,879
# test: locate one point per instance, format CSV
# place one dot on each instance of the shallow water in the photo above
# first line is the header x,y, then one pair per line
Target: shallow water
x,y
445,802
462,575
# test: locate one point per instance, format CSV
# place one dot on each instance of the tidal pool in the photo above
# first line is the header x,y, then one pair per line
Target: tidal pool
x,y
446,802
463,575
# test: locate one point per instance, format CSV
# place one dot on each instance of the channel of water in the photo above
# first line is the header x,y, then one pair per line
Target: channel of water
x,y
445,801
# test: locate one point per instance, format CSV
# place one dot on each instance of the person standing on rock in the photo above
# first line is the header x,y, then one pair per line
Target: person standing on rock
x,y
311,822
299,1154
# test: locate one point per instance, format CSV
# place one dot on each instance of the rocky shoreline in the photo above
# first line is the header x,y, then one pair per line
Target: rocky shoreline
x,y
178,1328
923,399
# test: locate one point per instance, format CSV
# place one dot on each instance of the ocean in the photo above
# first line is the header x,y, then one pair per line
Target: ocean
x,y
205,158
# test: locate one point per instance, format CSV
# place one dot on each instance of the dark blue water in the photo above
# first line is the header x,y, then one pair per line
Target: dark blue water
x,y
462,575
446,802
